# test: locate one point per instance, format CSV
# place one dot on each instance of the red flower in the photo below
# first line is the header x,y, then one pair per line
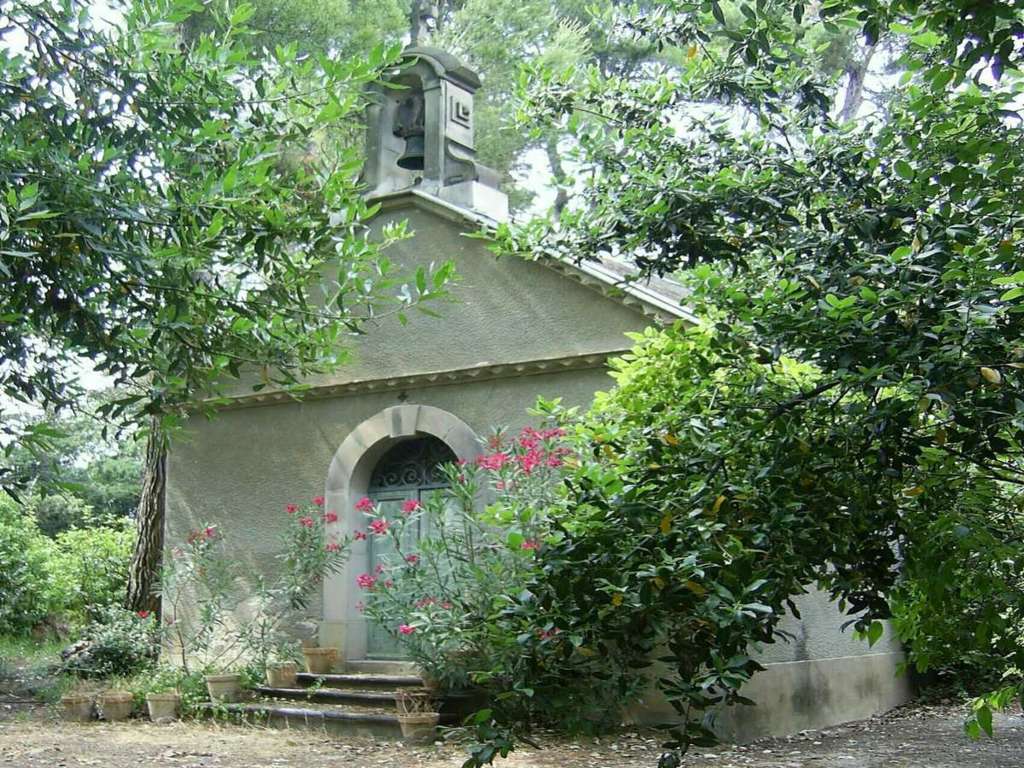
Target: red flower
x,y
379,526
530,460
331,517
306,522
143,614
365,504
531,544
412,559
333,547
359,535
210,532
409,506
318,501
405,629
291,509
493,461
366,581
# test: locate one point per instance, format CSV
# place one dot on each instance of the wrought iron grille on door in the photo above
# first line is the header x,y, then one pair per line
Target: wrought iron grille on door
x,y
409,470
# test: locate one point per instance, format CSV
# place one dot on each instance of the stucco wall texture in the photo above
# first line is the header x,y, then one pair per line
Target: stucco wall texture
x,y
240,469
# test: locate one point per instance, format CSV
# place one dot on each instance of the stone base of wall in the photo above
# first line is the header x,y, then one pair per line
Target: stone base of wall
x,y
802,695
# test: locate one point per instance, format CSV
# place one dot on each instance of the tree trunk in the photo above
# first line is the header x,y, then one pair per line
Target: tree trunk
x,y
144,573
855,73
414,23
557,172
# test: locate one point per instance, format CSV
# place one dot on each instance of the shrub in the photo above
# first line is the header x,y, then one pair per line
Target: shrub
x,y
461,603
203,584
89,568
25,589
117,643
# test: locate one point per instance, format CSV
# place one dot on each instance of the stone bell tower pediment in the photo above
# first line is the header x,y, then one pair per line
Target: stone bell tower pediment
x,y
421,135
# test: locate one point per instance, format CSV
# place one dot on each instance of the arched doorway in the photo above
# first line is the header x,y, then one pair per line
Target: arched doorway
x,y
349,478
410,470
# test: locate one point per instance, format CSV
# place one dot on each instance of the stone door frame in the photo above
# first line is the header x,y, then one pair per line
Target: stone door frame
x,y
348,480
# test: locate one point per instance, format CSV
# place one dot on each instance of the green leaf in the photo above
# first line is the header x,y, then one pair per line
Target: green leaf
x,y
875,632
904,170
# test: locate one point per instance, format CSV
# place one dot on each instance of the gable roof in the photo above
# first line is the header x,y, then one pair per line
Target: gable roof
x,y
658,298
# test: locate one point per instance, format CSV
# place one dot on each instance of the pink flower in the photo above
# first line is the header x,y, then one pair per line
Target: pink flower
x,y
530,460
493,461
410,506
388,584
423,602
143,614
306,522
531,544
412,559
366,581
360,606
318,501
333,547
379,526
359,535
331,517
405,629
379,569
210,532
364,505
446,605
461,462
291,509
529,438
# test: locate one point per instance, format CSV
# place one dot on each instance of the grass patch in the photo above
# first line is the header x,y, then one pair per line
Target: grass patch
x,y
29,667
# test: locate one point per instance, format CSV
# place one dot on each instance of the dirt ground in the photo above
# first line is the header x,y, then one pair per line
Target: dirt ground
x,y
917,736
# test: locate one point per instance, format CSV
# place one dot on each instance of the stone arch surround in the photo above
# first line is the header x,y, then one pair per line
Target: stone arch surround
x,y
348,480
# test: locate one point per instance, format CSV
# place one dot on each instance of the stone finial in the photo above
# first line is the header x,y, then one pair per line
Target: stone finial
x,y
421,135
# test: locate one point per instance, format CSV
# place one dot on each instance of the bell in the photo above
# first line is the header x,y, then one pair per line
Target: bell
x,y
412,158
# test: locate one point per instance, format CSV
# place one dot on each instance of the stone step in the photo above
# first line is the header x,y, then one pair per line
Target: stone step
x,y
360,681
374,698
378,667
330,720
334,721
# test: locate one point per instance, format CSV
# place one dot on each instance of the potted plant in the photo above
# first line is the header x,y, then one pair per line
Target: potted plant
x,y
319,661
78,705
225,687
115,705
163,706
417,716
282,674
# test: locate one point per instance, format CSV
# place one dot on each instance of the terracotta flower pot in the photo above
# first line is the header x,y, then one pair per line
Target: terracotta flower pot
x,y
115,705
77,707
419,727
319,661
224,688
282,674
163,707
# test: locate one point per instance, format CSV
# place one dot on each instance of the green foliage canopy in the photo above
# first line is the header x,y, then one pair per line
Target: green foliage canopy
x,y
162,216
860,290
